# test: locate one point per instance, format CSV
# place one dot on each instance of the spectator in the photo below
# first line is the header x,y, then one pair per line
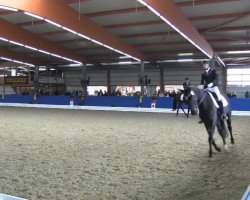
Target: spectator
x,y
247,94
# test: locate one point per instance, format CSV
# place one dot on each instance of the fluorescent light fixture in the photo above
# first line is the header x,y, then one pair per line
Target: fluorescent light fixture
x,y
33,15
29,47
221,61
3,58
180,60
89,64
154,11
56,55
17,43
239,52
185,60
8,8
185,54
75,61
28,64
4,39
42,69
120,52
52,69
109,47
123,57
75,65
83,36
137,59
17,61
95,41
53,23
68,29
46,52
143,3
125,62
67,59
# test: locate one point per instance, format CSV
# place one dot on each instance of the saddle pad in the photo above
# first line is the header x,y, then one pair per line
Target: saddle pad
x,y
224,101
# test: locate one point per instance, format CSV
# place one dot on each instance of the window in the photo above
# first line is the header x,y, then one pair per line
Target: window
x,y
238,77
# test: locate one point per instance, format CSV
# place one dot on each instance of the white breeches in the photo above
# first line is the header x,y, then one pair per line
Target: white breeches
x,y
215,90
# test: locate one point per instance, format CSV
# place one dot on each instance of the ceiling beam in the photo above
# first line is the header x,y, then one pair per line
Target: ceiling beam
x,y
143,9
56,10
17,34
227,22
6,52
151,22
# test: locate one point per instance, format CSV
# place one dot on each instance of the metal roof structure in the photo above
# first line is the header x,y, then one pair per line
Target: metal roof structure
x,y
105,31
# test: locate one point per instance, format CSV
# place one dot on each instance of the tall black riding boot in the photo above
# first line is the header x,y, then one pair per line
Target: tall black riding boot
x,y
221,110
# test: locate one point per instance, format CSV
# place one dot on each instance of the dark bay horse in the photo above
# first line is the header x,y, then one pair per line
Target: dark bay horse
x,y
208,113
180,102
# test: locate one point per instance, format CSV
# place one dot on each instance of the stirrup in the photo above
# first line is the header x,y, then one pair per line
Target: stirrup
x,y
224,116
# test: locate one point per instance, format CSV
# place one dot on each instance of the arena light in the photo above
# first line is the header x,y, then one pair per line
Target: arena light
x,y
56,55
17,61
185,54
29,47
33,15
239,52
70,30
45,52
8,8
16,43
95,41
53,23
83,36
3,58
173,26
79,34
3,39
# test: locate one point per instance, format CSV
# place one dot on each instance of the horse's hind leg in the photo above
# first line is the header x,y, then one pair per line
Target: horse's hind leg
x,y
229,125
221,130
216,147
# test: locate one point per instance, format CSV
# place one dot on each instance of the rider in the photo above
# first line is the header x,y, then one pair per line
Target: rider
x,y
186,83
209,79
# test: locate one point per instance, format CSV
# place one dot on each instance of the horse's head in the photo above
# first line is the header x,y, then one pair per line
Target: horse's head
x,y
191,98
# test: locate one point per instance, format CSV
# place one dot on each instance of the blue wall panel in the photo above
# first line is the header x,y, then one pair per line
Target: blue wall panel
x,y
13,98
240,104
54,100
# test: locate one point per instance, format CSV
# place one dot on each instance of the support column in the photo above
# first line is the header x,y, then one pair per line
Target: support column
x,y
162,87
108,82
84,80
142,78
3,83
36,82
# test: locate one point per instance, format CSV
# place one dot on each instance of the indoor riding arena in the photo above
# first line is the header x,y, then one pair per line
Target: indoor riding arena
x,y
124,99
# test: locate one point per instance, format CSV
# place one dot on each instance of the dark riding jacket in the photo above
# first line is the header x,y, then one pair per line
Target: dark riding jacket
x,y
186,84
209,77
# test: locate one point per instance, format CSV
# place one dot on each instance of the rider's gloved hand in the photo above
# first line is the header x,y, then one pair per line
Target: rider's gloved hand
x,y
210,85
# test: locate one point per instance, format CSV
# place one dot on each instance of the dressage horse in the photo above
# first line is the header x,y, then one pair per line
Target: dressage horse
x,y
180,101
209,114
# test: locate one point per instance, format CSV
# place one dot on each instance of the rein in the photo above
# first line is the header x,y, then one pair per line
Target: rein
x,y
202,98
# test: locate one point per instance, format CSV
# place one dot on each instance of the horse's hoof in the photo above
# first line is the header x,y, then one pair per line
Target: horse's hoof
x,y
225,147
218,149
232,142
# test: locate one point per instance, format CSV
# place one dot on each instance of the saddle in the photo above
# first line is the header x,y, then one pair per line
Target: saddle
x,y
215,100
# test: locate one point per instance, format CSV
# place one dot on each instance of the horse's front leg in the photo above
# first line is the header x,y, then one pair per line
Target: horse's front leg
x,y
210,142
210,129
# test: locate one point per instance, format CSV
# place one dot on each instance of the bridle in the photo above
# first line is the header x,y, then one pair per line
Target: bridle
x,y
192,93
